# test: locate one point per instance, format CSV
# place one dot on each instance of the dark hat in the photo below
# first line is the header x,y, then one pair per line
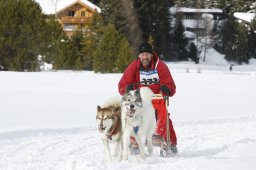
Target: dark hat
x,y
145,47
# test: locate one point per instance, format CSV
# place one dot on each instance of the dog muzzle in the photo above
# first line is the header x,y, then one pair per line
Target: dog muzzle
x,y
130,113
101,128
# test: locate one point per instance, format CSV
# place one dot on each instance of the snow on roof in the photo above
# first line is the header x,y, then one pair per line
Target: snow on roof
x,y
174,10
48,6
247,17
189,35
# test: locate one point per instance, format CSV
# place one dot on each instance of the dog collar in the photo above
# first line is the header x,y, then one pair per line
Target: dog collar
x,y
112,131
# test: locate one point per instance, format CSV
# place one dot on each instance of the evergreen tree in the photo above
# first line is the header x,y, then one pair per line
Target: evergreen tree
x,y
241,44
217,36
124,56
140,20
113,53
235,41
89,46
193,53
65,59
252,38
22,30
229,34
55,36
106,53
77,39
91,39
179,42
112,14
62,52
154,19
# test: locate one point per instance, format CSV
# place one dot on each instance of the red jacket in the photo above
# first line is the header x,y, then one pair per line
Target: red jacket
x,y
132,75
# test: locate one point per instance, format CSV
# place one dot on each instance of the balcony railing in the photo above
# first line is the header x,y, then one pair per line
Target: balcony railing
x,y
75,20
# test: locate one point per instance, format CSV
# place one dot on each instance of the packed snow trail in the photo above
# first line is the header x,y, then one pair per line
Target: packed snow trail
x,y
202,144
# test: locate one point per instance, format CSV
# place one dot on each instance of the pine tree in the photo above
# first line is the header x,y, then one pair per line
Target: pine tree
x,y
89,46
252,38
113,53
105,55
55,36
112,14
228,34
124,56
91,39
179,42
235,41
27,33
65,58
154,19
242,44
76,62
22,29
193,53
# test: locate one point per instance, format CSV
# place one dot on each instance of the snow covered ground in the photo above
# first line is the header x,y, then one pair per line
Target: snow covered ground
x,y
48,120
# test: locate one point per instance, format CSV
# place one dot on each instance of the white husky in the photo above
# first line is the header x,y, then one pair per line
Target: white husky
x,y
138,119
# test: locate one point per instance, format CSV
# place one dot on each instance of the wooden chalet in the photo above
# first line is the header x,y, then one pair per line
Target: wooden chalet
x,y
76,15
71,14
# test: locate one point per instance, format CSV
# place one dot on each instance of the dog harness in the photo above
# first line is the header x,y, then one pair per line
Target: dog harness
x,y
136,129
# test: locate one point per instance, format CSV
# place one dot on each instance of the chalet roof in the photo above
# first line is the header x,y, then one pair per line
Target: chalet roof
x,y
48,6
174,10
246,17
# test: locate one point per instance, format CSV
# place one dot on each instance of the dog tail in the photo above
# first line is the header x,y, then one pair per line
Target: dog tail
x,y
114,101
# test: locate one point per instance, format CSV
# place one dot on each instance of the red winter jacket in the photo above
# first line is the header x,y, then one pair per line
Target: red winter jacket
x,y
132,75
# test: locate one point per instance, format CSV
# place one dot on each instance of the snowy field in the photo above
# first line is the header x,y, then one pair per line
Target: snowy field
x,y
47,120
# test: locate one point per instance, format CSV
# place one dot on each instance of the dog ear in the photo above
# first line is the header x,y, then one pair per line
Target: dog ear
x,y
116,109
129,87
98,108
137,92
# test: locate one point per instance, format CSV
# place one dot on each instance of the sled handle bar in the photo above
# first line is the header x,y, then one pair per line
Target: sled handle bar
x,y
166,98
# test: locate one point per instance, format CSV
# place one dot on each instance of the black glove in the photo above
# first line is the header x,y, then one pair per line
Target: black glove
x,y
165,90
130,87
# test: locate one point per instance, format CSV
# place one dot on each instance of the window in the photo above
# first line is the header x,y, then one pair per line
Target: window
x,y
69,27
83,14
71,13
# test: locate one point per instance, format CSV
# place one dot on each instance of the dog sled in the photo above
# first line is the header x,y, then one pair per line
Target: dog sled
x,y
161,104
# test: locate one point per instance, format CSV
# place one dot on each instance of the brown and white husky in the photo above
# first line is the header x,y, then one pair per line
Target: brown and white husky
x,y
110,128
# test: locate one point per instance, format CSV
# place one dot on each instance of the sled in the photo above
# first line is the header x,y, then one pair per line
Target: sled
x,y
160,141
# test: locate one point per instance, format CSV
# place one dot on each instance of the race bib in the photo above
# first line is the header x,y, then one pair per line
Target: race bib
x,y
149,77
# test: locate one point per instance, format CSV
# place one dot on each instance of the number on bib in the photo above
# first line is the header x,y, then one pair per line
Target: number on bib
x,y
149,77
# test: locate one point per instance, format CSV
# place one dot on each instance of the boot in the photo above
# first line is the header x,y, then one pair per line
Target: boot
x,y
134,150
134,147
169,151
